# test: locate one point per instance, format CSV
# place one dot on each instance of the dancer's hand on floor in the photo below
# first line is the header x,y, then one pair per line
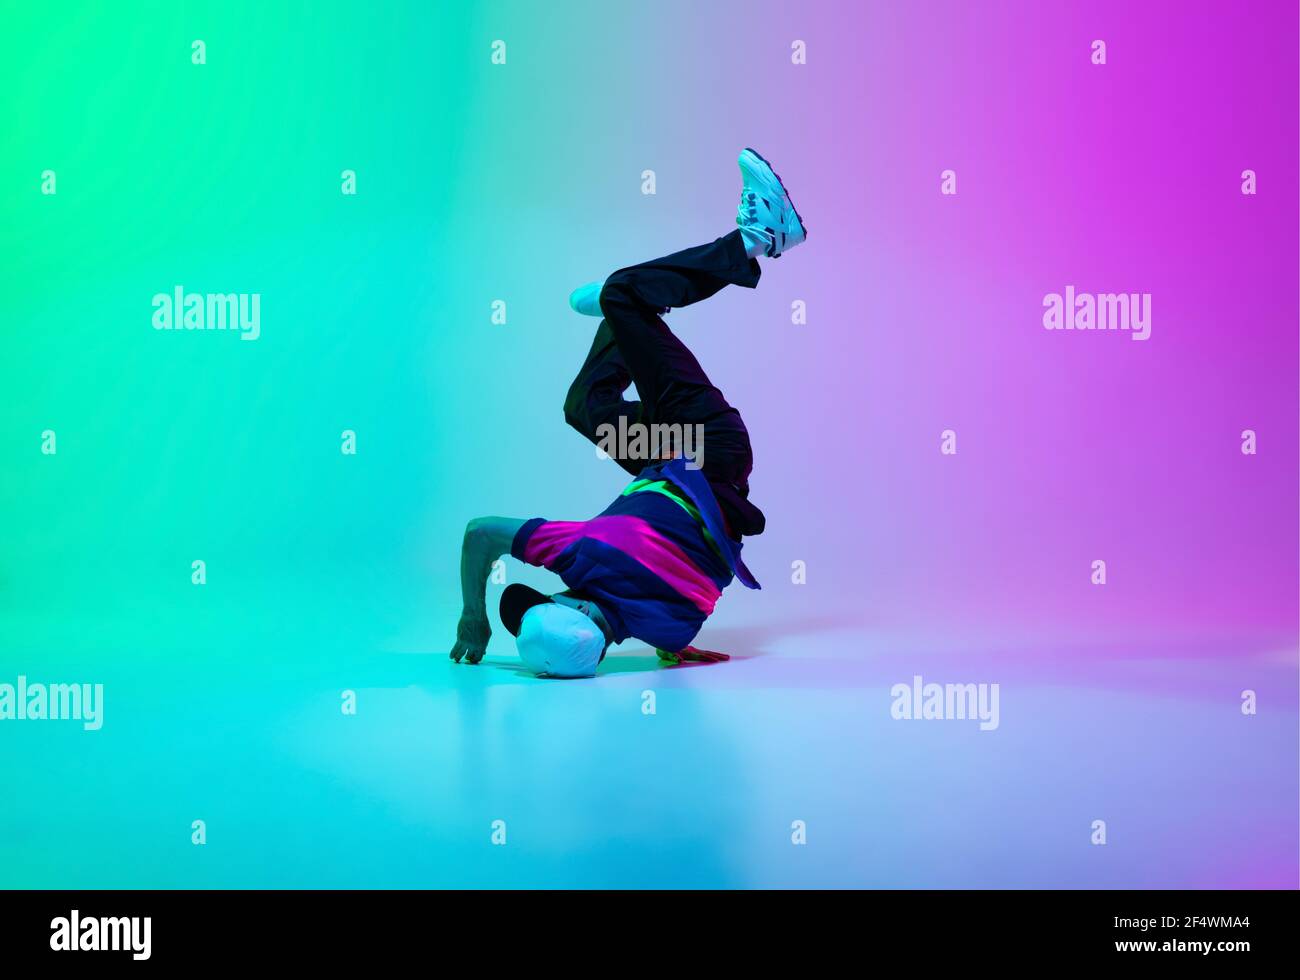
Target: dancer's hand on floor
x,y
472,635
693,655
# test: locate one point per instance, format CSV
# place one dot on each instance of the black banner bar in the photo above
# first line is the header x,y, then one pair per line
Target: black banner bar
x,y
206,929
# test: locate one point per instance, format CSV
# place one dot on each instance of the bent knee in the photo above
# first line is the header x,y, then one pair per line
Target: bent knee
x,y
619,290
573,406
576,411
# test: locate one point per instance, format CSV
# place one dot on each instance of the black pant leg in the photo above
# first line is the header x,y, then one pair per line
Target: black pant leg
x,y
689,276
595,398
674,388
671,382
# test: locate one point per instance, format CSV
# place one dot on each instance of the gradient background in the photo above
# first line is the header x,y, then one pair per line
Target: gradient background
x,y
479,182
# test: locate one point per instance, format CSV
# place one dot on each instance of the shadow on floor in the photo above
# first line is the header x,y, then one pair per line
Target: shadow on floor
x,y
742,643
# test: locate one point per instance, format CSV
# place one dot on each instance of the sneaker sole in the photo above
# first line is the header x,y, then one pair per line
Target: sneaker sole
x,y
779,183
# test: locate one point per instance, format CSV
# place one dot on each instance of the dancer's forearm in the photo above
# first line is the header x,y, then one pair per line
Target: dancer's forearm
x,y
486,540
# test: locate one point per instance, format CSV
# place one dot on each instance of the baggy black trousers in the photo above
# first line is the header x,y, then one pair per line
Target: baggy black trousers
x,y
634,344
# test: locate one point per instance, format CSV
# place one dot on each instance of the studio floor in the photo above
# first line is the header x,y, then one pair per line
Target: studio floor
x,y
457,775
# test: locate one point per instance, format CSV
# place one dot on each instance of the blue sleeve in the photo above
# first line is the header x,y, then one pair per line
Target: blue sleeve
x,y
522,535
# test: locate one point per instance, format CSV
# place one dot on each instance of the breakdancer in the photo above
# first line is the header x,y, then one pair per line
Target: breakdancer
x,y
653,564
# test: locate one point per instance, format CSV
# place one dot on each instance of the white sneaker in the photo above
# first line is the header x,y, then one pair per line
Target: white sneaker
x,y
766,211
586,299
